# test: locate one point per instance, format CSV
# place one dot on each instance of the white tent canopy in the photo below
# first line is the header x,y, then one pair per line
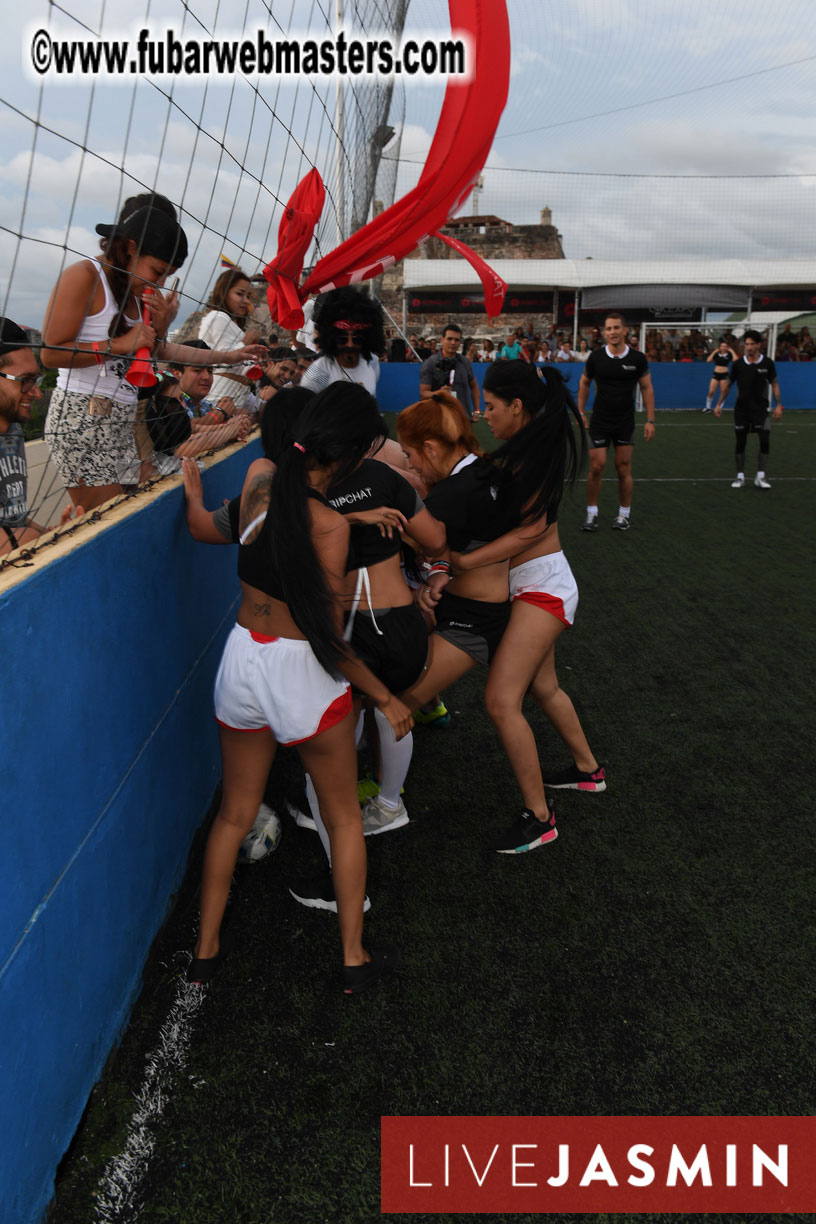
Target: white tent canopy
x,y
573,274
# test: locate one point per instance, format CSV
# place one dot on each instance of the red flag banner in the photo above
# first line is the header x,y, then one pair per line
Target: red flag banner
x,y
464,134
493,285
295,233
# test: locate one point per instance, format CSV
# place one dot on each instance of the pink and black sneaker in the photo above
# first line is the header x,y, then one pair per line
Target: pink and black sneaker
x,y
573,778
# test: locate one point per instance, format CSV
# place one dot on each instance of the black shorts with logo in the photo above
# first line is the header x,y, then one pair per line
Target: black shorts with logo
x,y
398,656
604,433
472,625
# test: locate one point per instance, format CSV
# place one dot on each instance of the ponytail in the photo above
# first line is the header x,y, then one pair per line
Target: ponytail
x,y
539,461
338,428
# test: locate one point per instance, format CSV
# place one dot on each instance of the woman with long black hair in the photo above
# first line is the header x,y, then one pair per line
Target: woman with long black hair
x,y
532,414
284,676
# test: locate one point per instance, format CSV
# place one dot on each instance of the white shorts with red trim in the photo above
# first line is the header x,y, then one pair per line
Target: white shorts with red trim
x,y
277,685
548,583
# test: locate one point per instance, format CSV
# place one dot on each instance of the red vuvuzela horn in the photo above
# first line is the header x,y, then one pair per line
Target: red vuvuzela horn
x,y
141,372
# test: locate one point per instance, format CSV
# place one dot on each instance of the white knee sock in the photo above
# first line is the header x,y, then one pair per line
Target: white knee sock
x,y
314,808
395,757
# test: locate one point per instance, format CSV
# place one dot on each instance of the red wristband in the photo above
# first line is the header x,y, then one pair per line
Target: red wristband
x,y
100,360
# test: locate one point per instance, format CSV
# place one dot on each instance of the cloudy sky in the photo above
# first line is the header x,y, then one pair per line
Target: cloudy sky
x,y
653,129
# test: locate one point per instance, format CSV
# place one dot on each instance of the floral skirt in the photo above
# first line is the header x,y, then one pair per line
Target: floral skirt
x,y
92,439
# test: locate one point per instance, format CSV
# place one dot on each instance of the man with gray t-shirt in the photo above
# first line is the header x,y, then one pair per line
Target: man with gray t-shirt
x,y
450,371
19,385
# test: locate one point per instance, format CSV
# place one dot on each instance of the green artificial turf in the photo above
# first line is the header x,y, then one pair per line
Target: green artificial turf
x,y
656,959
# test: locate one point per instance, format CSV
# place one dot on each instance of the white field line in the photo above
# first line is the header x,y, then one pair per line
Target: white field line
x,y
119,1184
706,479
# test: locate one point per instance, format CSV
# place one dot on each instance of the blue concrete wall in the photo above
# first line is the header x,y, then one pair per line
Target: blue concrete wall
x,y
110,761
677,385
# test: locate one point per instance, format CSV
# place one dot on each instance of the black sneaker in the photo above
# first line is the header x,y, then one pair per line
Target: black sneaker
x,y
359,977
317,892
527,833
621,523
590,523
573,778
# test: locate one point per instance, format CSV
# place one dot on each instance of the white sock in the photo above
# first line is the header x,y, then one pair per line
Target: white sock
x,y
395,757
623,511
314,808
592,511
760,475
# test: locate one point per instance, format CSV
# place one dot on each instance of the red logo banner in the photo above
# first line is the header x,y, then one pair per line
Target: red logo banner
x,y
568,1165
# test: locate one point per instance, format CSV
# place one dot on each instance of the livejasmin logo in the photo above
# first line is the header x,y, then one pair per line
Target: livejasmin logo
x,y
596,1164
518,1158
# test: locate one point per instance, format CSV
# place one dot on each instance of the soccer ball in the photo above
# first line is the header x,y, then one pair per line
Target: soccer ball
x,y
262,838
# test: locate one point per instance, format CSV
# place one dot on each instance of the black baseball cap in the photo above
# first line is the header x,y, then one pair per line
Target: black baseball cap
x,y
12,337
154,232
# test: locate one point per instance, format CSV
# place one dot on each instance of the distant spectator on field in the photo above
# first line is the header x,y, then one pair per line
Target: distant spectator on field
x,y
488,351
451,371
582,353
565,352
721,358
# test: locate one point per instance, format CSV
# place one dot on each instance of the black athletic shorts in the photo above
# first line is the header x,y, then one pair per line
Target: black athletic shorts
x,y
751,419
720,375
472,625
608,433
398,657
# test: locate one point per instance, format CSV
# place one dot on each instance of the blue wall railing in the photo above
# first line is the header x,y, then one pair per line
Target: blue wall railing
x,y
110,761
677,385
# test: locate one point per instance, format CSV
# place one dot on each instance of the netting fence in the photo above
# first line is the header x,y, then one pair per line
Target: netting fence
x,y
226,153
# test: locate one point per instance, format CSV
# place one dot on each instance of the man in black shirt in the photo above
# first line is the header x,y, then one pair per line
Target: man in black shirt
x,y
755,376
617,371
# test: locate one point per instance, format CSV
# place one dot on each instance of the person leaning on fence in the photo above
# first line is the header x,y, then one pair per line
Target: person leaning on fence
x,y
227,325
182,421
92,331
19,386
279,370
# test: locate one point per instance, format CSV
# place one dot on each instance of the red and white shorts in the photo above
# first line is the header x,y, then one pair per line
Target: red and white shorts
x,y
276,684
548,583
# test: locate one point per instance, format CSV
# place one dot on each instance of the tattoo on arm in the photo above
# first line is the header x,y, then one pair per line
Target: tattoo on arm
x,y
254,501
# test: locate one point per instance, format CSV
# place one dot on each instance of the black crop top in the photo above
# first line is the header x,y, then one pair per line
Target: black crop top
x,y
255,563
465,502
371,485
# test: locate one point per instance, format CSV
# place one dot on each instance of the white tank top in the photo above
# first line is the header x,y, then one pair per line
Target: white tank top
x,y
107,379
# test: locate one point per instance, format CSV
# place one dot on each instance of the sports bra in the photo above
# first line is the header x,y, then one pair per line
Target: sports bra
x,y
254,560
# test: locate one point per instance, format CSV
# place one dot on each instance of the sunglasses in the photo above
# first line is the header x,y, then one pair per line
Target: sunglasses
x,y
27,381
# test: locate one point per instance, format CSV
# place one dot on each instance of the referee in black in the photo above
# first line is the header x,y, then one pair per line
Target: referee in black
x,y
755,377
617,371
